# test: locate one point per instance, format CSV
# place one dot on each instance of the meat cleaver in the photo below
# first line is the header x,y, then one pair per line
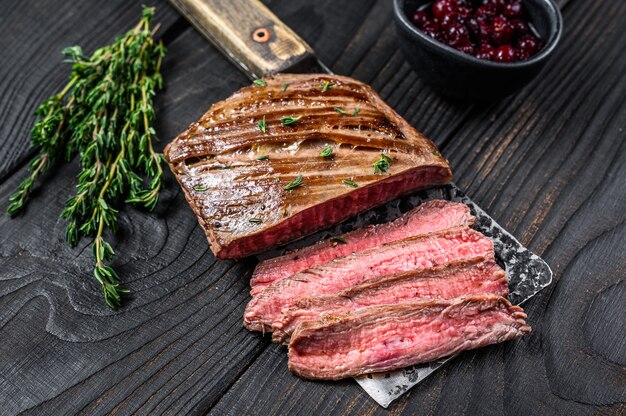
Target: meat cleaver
x,y
255,40
251,36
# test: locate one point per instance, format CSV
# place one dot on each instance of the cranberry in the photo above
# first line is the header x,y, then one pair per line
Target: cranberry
x,y
494,30
441,8
472,26
505,53
518,27
501,31
465,47
498,5
484,13
420,18
485,33
431,28
457,34
486,52
449,20
463,12
513,9
529,44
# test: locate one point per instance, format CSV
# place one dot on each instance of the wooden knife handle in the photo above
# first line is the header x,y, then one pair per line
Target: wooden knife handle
x,y
249,34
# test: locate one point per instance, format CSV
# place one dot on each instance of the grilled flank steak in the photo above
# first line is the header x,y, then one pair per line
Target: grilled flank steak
x,y
451,280
383,338
411,254
429,217
293,154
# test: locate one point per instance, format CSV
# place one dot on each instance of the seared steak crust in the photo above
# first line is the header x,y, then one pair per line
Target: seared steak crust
x,y
241,201
384,338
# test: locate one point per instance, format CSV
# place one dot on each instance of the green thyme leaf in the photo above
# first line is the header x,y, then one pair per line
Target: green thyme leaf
x,y
340,240
288,121
264,157
255,220
327,151
295,183
284,87
326,85
383,164
262,125
340,111
103,117
350,183
200,188
260,83
356,112
224,167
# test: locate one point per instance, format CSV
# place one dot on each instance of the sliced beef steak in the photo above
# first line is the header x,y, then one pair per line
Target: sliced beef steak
x,y
452,280
406,255
429,217
384,338
251,168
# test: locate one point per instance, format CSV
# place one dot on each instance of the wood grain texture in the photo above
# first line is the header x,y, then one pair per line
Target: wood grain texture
x,y
548,163
529,161
32,36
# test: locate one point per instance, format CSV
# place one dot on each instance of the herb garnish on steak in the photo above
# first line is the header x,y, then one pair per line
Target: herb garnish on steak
x,y
229,134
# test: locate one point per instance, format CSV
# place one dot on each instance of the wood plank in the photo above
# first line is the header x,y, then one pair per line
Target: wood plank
x,y
32,36
547,163
178,344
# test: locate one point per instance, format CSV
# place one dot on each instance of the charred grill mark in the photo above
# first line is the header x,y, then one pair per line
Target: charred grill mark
x,y
311,117
229,135
339,131
232,126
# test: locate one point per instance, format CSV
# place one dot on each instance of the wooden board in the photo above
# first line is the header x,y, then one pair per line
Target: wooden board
x,y
548,163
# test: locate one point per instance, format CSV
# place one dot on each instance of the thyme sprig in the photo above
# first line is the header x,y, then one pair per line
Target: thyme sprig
x,y
262,125
326,85
289,120
327,151
294,184
105,115
383,164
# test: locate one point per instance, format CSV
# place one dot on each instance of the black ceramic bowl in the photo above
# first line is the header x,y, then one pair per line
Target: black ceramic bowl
x,y
459,75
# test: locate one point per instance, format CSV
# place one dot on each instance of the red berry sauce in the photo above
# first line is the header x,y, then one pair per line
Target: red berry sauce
x,y
493,30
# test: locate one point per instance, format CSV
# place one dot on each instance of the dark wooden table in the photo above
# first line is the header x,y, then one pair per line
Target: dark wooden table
x,y
549,163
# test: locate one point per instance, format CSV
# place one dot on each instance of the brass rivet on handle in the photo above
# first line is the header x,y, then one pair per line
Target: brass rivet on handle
x,y
261,35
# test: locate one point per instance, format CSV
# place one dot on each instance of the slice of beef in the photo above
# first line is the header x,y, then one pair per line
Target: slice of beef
x,y
405,255
384,338
452,280
430,216
236,163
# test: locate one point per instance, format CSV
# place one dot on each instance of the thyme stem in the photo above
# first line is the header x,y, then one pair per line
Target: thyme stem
x,y
105,114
